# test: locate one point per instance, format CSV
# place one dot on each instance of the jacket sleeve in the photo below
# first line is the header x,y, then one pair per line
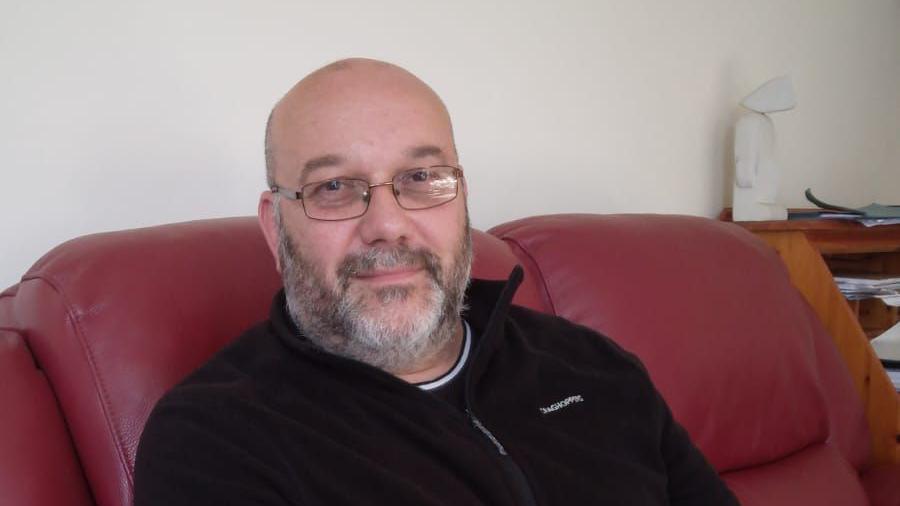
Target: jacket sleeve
x,y
692,480
199,455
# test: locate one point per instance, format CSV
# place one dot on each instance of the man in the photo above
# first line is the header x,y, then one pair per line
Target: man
x,y
379,378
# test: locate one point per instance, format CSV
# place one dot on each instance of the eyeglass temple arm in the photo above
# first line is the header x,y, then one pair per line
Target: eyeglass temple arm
x,y
292,195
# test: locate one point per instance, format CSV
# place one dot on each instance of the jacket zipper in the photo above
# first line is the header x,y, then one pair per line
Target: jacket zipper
x,y
510,468
480,426
518,481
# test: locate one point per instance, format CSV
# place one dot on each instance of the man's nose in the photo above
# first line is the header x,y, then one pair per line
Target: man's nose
x,y
385,221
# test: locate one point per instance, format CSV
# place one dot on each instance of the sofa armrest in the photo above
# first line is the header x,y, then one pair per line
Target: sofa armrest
x,y
38,465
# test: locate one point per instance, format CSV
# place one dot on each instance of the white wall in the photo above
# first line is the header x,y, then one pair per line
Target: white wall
x,y
118,114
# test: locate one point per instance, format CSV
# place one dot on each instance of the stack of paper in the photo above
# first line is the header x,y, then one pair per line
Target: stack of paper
x,y
874,222
828,215
871,215
886,289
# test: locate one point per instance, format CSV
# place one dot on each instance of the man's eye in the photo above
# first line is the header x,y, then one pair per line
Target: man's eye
x,y
331,189
419,176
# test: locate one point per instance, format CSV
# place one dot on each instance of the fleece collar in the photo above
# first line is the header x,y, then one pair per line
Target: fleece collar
x,y
487,303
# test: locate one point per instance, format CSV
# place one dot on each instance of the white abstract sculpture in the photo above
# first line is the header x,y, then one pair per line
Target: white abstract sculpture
x,y
756,175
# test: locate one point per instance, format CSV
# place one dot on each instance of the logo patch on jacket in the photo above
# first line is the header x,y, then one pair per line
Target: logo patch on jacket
x,y
556,406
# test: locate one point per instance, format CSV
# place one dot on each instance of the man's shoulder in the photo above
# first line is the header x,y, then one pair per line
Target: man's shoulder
x,y
229,376
209,425
577,343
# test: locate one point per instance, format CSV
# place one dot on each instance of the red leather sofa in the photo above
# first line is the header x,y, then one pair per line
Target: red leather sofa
x,y
101,326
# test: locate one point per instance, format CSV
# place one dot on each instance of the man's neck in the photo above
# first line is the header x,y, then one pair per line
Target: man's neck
x,y
440,363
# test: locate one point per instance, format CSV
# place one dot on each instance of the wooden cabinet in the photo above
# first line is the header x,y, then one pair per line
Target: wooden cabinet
x,y
813,250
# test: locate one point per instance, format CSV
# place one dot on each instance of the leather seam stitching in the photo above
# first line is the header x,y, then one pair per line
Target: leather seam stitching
x,y
534,264
95,374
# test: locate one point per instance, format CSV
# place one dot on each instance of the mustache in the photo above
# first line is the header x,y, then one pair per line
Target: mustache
x,y
388,258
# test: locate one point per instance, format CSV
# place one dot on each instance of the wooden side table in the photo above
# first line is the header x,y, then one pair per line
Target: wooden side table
x,y
813,250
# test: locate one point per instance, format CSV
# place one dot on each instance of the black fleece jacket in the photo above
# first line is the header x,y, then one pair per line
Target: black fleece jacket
x,y
556,415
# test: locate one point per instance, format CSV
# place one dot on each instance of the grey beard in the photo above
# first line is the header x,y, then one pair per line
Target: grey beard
x,y
368,329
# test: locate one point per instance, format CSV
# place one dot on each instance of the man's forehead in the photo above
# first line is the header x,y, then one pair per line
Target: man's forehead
x,y
352,110
412,153
404,128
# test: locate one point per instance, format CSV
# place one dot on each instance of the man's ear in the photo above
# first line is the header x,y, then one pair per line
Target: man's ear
x,y
266,215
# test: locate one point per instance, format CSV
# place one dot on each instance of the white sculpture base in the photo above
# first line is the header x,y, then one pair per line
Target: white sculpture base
x,y
747,208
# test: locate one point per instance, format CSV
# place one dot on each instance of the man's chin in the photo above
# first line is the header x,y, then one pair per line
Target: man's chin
x,y
392,299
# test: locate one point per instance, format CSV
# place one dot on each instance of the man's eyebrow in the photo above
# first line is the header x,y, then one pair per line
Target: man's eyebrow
x,y
424,151
319,162
331,160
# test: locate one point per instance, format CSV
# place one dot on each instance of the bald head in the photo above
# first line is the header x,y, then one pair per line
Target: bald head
x,y
337,106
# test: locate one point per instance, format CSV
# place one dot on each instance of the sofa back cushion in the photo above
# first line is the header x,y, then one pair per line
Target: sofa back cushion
x,y
710,311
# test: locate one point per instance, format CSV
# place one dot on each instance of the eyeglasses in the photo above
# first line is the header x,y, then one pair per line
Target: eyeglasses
x,y
347,198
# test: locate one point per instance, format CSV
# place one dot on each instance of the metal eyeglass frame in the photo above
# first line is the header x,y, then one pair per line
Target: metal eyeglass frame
x,y
367,196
